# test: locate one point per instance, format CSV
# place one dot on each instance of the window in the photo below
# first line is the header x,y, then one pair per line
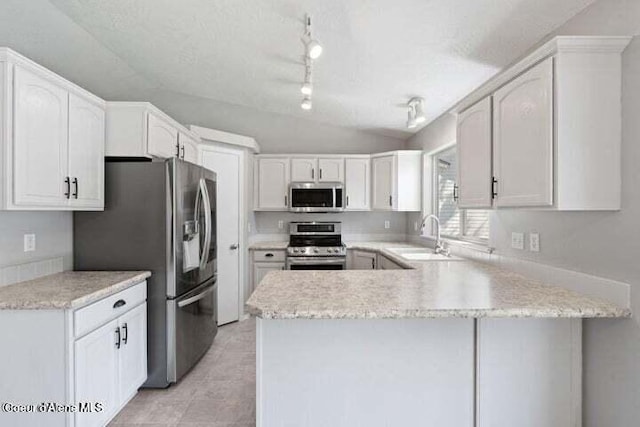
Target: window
x,y
463,224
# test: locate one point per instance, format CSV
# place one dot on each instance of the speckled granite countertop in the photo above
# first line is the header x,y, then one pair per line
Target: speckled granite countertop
x,y
69,289
269,246
428,289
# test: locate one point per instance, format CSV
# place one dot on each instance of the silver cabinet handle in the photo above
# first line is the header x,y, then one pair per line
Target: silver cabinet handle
x,y
234,246
313,173
67,182
75,192
320,173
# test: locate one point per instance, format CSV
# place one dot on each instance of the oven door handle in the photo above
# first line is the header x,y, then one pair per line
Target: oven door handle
x,y
318,260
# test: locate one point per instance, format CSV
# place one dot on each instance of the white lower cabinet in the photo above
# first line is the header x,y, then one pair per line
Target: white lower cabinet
x,y
96,374
362,260
385,263
94,357
265,261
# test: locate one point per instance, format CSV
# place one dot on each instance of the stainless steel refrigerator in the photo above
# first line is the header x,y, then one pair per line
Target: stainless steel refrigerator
x,y
160,216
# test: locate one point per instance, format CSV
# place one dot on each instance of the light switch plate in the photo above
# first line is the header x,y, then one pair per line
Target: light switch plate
x,y
280,224
534,242
29,242
517,241
387,224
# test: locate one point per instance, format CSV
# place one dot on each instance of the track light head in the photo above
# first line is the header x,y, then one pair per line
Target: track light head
x,y
416,112
314,48
306,88
306,103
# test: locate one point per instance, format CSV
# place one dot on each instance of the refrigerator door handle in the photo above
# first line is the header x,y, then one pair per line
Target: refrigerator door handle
x,y
198,297
207,224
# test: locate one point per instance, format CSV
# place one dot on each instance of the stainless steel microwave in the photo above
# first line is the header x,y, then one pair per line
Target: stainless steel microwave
x,y
316,197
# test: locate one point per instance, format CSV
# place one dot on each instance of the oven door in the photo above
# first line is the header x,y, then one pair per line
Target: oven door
x,y
316,263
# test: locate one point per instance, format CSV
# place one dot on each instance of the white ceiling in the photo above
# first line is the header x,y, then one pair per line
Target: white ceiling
x,y
378,53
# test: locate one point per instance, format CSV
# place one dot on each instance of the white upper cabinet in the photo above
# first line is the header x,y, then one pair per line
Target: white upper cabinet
x,y
383,175
523,139
52,133
557,129
304,169
271,183
397,181
313,169
40,141
86,152
357,183
331,169
474,156
162,138
139,129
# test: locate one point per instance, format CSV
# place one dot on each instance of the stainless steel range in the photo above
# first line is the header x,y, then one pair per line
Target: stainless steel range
x,y
316,246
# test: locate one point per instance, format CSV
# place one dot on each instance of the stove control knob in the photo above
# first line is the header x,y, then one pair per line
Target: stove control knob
x,y
295,251
316,250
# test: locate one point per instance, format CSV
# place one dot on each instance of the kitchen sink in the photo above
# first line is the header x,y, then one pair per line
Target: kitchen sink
x,y
420,254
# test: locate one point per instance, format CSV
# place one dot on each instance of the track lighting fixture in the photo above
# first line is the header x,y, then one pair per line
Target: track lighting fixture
x,y
312,50
416,114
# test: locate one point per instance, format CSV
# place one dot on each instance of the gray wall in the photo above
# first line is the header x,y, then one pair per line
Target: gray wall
x,y
53,237
605,244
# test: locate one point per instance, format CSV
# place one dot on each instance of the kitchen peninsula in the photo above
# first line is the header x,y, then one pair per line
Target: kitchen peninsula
x,y
449,343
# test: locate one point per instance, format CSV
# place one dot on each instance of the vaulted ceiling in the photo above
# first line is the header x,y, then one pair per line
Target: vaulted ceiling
x,y
377,53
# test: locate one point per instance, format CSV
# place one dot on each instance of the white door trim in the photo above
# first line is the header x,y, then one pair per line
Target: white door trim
x,y
216,147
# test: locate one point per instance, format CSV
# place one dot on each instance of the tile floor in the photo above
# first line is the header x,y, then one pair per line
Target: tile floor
x,y
218,392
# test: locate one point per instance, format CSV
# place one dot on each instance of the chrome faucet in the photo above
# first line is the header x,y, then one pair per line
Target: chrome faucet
x,y
440,247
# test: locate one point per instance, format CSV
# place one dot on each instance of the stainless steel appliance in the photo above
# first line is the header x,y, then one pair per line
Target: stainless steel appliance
x,y
316,246
316,197
160,216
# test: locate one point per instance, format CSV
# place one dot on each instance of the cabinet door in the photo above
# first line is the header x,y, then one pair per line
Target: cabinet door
x,y
40,141
260,269
474,156
523,139
331,170
383,171
189,149
385,263
96,374
133,351
162,138
357,178
273,183
86,153
304,170
361,260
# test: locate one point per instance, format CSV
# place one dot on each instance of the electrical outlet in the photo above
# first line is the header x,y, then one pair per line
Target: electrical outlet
x,y
248,227
29,242
280,224
387,224
517,241
534,242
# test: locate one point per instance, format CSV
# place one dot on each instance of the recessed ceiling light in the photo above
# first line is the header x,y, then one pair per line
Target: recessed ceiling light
x,y
306,104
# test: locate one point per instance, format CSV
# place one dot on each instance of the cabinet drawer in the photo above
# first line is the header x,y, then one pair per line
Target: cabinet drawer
x,y
269,256
97,314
